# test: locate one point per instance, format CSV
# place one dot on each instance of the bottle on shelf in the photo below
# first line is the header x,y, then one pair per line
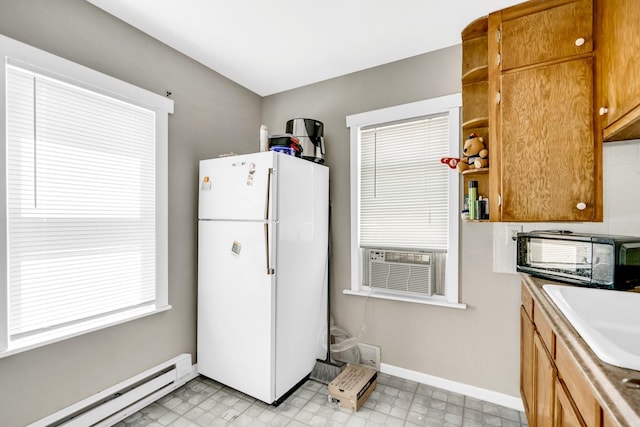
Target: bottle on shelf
x,y
473,196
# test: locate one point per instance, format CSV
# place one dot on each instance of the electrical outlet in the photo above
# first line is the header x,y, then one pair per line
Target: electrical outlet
x,y
369,355
512,233
183,366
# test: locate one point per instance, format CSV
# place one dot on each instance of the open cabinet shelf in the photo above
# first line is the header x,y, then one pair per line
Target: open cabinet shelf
x,y
475,95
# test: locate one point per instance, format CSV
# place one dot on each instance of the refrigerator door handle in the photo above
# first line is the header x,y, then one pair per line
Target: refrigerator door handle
x,y
266,244
268,198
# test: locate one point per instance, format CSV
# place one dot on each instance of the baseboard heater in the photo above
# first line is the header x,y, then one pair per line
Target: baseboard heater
x,y
118,402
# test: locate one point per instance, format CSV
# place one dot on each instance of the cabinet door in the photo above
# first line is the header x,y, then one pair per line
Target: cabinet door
x,y
620,67
575,382
547,153
548,31
566,414
526,362
544,377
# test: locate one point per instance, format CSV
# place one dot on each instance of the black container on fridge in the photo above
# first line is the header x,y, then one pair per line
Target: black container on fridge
x,y
310,136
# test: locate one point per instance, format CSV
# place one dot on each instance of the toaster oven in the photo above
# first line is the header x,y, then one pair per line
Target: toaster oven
x,y
611,262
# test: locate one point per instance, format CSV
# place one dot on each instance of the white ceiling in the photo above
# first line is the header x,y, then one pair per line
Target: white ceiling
x,y
269,46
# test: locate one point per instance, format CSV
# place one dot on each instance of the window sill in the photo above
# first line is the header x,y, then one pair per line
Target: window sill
x,y
434,300
42,339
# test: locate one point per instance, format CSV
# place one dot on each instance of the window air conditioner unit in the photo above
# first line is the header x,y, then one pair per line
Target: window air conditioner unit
x,y
401,271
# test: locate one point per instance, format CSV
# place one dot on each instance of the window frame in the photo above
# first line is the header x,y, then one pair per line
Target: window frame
x,y
450,104
33,59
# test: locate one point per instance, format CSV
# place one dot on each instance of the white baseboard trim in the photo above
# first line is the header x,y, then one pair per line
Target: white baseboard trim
x,y
454,386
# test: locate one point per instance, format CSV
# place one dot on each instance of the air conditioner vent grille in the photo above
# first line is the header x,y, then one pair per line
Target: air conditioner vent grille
x,y
408,272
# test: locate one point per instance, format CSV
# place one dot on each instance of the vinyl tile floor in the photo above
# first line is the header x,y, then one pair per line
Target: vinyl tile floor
x,y
395,402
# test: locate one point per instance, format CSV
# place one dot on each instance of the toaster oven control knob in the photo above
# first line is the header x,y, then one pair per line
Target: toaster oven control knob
x,y
581,206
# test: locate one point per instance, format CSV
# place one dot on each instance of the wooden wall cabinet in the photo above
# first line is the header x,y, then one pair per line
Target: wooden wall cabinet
x,y
560,77
543,142
619,68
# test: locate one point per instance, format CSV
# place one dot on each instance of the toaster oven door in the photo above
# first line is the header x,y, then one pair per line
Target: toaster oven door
x,y
564,255
556,258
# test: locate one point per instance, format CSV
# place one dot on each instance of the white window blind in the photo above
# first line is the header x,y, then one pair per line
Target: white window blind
x,y
404,192
81,208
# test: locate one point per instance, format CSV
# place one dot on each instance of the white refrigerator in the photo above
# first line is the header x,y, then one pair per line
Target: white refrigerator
x,y
262,271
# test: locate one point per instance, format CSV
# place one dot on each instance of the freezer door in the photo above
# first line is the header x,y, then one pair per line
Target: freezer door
x,y
238,187
235,307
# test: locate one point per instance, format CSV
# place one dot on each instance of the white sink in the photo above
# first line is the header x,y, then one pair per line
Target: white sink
x,y
608,321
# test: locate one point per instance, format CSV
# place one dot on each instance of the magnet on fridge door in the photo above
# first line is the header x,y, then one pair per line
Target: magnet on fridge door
x,y
252,171
206,184
236,248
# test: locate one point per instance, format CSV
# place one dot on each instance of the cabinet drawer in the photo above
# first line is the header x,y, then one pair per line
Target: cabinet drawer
x,y
560,31
577,386
544,330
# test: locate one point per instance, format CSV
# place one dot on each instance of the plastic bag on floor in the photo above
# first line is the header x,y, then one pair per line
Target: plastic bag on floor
x,y
344,348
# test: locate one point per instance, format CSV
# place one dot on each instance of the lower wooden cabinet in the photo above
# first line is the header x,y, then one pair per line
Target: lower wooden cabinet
x,y
554,390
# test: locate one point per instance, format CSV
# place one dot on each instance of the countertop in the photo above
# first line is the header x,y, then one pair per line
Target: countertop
x,y
621,403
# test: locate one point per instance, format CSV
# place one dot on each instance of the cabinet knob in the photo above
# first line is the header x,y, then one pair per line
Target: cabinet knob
x,y
580,41
498,98
603,111
581,206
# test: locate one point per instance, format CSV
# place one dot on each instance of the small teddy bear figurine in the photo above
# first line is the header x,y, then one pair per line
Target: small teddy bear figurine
x,y
475,155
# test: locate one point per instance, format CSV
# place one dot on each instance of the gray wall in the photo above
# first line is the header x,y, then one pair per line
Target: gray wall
x,y
212,116
477,346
